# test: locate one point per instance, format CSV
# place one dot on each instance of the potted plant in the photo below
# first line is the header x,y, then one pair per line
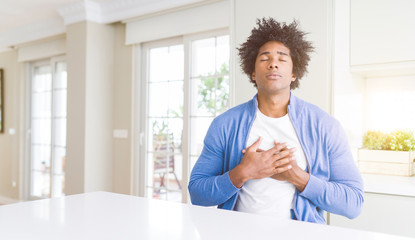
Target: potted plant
x,y
388,153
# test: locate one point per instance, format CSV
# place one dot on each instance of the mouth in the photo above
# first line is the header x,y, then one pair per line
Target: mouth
x,y
273,75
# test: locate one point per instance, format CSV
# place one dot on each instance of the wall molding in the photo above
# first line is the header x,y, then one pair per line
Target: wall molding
x,y
38,30
86,10
116,10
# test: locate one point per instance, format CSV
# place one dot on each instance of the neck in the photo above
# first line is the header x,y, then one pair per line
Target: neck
x,y
274,106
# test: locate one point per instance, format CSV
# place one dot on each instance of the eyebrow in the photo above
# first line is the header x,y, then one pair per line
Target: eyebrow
x,y
266,53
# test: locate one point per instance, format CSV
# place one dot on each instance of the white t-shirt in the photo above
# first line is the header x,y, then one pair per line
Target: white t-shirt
x,y
268,196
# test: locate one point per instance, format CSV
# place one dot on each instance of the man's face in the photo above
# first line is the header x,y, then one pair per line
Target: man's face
x,y
273,68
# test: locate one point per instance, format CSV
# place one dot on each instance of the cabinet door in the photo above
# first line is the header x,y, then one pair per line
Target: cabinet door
x,y
382,31
382,213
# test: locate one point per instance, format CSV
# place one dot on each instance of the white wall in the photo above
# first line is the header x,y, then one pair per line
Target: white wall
x,y
123,101
90,107
314,17
348,90
9,144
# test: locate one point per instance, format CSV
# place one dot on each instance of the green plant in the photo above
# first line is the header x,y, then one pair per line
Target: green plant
x,y
399,140
402,140
160,128
375,140
214,95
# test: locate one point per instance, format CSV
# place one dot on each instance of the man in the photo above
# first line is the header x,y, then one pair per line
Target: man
x,y
277,154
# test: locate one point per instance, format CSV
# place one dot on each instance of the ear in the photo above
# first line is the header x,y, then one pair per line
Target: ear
x,y
253,76
293,78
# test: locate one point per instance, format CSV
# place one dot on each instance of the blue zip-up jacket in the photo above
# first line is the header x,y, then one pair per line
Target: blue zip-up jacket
x,y
335,184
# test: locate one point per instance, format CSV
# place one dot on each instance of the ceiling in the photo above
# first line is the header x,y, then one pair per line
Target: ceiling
x,y
15,13
28,20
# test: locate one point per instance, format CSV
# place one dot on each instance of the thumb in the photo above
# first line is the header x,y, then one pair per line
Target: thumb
x,y
254,146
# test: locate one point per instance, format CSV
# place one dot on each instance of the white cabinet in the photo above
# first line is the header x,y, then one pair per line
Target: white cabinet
x,y
392,214
382,31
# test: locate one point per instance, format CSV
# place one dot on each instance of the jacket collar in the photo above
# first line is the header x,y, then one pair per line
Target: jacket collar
x,y
295,106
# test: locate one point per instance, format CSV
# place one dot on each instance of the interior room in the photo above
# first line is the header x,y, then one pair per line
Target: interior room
x,y
117,95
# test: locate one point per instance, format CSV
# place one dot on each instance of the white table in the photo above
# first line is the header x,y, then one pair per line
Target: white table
x,y
103,215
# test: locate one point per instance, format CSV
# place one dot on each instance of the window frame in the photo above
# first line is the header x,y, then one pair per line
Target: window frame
x,y
30,66
141,101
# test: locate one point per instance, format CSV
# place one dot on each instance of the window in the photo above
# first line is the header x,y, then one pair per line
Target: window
x,y
186,86
390,103
47,124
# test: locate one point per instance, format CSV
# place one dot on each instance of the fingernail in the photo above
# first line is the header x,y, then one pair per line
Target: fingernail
x,y
289,166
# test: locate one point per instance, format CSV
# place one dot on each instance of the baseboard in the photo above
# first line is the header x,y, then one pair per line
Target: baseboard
x,y
6,200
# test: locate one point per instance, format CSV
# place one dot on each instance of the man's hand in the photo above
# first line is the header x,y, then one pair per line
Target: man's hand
x,y
294,175
257,163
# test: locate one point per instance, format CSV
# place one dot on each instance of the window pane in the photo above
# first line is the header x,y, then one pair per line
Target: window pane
x,y
175,174
59,159
158,106
58,185
41,104
42,79
199,127
40,183
175,99
157,59
60,132
40,157
203,93
157,128
222,95
59,98
222,54
60,81
400,112
203,57
166,63
175,64
41,131
175,126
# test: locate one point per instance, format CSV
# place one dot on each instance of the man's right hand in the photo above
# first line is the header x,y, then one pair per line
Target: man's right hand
x,y
258,164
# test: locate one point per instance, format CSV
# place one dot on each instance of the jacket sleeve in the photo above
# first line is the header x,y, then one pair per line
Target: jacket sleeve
x,y
209,185
343,192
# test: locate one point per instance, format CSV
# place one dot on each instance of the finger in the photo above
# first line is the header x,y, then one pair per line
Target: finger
x,y
282,169
255,145
282,162
259,150
283,154
277,148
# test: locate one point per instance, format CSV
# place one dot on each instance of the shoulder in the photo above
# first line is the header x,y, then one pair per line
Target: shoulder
x,y
315,114
235,114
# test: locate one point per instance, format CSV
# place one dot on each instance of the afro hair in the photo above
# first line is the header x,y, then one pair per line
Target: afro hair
x,y
289,35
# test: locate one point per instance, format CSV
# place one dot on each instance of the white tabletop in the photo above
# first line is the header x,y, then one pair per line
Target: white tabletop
x,y
102,215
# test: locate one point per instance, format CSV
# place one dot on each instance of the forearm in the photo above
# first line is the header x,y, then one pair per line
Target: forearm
x,y
335,197
237,176
211,190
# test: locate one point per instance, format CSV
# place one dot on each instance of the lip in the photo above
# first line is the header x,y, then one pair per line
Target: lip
x,y
273,75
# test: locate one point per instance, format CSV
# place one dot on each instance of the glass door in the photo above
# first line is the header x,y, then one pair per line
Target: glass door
x,y
48,128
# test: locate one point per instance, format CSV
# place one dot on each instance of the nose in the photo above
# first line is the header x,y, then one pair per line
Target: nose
x,y
273,64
